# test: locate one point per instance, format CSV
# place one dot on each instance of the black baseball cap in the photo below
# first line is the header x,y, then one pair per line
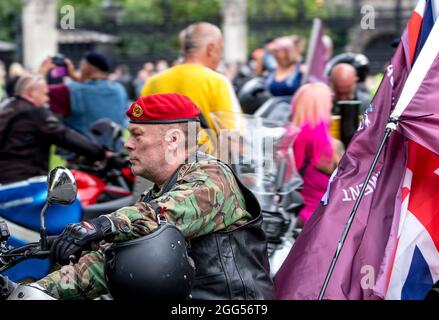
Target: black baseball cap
x,y
97,60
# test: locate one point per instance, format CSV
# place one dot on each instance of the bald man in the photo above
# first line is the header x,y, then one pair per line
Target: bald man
x,y
196,76
343,80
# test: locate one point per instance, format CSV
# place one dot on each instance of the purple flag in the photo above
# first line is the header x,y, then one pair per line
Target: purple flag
x,y
303,272
316,58
419,106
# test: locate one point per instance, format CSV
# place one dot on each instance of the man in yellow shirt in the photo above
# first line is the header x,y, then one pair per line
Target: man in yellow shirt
x,y
196,78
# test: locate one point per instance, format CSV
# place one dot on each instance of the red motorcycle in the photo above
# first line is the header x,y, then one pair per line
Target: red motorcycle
x,y
103,182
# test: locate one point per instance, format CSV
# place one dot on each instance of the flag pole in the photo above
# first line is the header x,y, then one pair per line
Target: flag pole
x,y
390,127
311,47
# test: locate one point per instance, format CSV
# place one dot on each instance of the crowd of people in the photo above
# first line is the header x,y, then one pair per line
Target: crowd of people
x,y
207,198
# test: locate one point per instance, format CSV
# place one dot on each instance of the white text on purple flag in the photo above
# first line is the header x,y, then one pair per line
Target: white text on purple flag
x,y
351,193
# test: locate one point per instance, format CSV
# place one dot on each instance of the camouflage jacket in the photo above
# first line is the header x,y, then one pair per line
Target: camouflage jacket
x,y
206,198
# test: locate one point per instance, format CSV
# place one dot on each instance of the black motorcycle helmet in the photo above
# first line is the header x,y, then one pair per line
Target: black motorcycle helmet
x,y
153,267
359,61
253,94
107,133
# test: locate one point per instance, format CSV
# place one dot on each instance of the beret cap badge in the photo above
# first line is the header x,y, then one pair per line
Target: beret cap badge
x,y
137,111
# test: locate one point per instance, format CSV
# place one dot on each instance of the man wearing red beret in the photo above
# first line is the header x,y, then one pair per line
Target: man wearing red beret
x,y
218,216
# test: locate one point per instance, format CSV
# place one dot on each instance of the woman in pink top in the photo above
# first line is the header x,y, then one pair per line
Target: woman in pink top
x,y
316,153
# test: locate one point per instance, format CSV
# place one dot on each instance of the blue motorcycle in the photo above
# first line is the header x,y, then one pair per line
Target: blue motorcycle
x,y
20,207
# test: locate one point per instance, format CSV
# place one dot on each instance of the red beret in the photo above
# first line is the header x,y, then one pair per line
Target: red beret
x,y
163,108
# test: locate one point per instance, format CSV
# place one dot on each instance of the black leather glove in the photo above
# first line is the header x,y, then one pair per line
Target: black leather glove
x,y
6,287
79,237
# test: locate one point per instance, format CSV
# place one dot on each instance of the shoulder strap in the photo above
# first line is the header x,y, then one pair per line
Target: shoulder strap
x,y
167,187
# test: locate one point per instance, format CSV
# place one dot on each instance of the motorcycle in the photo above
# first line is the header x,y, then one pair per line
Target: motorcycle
x,y
61,191
104,181
256,99
265,164
253,94
276,109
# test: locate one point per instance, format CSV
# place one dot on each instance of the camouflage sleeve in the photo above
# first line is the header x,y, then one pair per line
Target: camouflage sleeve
x,y
205,200
83,280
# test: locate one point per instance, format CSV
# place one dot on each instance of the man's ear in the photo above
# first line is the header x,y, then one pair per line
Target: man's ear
x,y
174,138
210,48
31,94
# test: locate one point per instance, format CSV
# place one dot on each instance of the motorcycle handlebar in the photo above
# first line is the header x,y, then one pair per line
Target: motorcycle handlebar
x,y
116,161
10,258
41,254
50,240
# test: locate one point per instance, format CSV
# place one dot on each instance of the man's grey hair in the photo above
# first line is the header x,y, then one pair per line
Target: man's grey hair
x,y
26,82
197,35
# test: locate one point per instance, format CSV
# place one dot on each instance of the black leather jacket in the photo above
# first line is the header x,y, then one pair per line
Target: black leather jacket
x,y
26,134
233,265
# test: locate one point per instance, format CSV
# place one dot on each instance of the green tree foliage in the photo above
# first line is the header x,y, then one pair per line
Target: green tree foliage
x,y
162,11
194,10
152,11
138,11
296,9
9,17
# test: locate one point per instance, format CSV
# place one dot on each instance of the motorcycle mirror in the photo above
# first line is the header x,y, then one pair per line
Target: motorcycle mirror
x,y
61,189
